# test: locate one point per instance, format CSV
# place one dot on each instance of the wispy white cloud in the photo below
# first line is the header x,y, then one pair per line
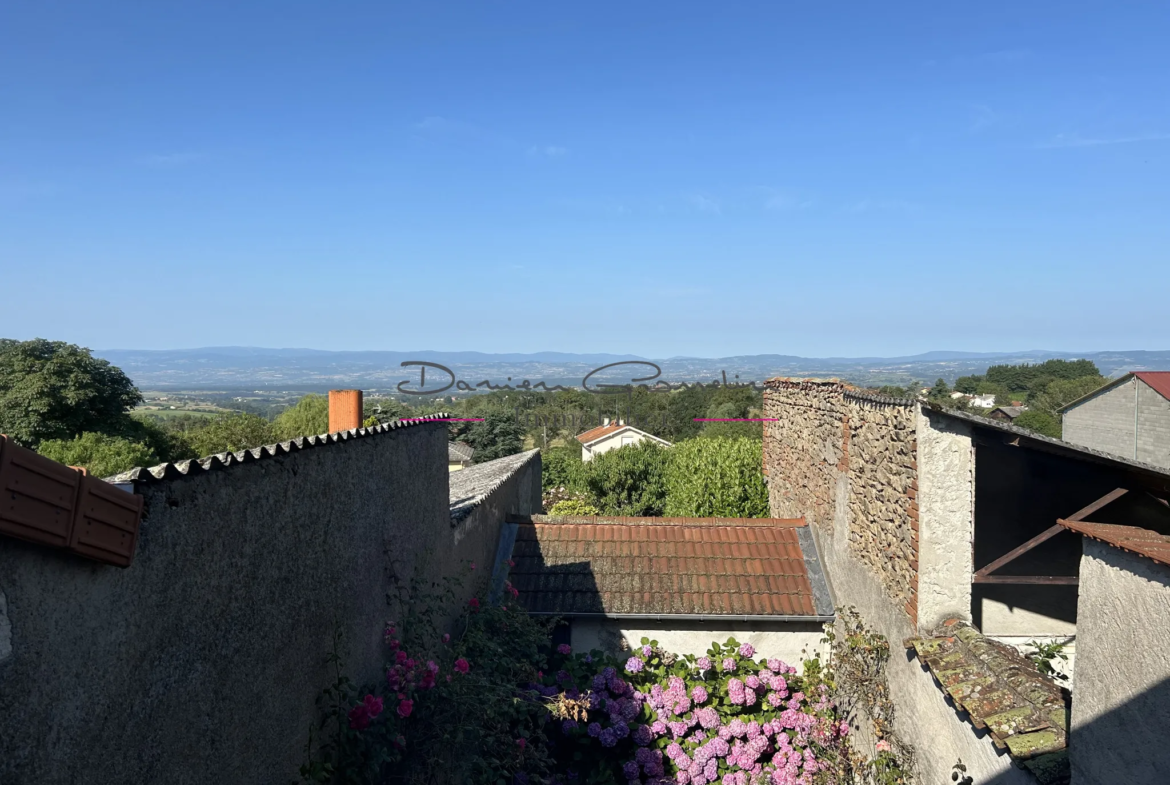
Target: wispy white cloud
x,y
547,151
1076,140
171,159
703,204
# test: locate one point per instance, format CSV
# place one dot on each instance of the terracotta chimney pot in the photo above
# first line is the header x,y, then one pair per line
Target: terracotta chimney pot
x,y
345,410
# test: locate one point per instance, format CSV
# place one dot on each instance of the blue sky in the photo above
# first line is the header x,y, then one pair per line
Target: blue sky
x,y
655,178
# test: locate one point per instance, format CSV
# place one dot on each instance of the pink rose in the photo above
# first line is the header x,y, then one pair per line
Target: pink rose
x,y
405,707
461,666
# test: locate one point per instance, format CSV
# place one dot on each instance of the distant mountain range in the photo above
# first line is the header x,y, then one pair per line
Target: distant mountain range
x,y
251,368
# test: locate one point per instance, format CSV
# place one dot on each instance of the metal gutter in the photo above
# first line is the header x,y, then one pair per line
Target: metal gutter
x,y
684,617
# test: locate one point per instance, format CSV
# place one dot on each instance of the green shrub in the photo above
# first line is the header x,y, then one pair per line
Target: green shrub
x,y
573,507
1041,422
99,454
629,480
716,478
307,417
231,433
562,467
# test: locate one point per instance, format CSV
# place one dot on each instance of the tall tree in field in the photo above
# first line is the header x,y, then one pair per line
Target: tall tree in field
x,y
56,390
307,417
498,435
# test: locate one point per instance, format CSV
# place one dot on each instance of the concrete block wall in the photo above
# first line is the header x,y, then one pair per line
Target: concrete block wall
x,y
1153,426
1104,422
202,661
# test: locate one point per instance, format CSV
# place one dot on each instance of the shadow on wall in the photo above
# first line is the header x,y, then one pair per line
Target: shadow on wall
x,y
1125,745
1019,494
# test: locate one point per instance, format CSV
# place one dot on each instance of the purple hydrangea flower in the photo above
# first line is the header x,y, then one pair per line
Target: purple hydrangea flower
x,y
729,664
594,729
634,665
608,738
620,730
647,650
699,693
643,735
630,769
568,726
746,650
704,664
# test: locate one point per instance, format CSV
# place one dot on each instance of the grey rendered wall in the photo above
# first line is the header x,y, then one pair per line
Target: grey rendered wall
x,y
1103,422
202,661
1121,709
946,520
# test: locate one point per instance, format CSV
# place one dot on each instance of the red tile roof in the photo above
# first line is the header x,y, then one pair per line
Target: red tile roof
x,y
1129,538
652,566
596,433
1159,380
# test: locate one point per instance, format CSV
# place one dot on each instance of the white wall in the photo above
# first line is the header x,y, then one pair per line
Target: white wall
x,y
611,442
791,642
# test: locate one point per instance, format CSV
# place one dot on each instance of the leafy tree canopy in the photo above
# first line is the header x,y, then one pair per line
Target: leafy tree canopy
x,y
629,480
307,417
1062,392
498,435
231,433
56,390
100,454
1041,422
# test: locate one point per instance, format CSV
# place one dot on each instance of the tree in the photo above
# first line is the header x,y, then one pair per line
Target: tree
x,y
731,430
231,433
968,384
562,467
940,391
498,435
1062,392
307,417
98,453
1041,422
629,480
717,477
56,390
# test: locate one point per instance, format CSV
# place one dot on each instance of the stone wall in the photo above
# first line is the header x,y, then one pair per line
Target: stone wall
x,y
202,661
824,433
1122,707
889,495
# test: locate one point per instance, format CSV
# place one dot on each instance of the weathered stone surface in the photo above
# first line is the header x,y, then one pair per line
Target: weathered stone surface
x,y
823,428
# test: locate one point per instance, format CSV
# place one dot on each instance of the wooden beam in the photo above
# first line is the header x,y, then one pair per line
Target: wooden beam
x,y
1049,533
1013,554
1049,580
1112,496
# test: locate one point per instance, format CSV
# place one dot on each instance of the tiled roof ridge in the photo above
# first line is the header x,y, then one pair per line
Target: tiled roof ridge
x,y
189,468
617,520
465,509
998,688
1142,542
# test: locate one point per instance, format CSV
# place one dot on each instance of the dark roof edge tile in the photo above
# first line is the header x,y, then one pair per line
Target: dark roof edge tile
x,y
172,471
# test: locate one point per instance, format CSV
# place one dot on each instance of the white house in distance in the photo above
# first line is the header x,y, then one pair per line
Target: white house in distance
x,y
611,436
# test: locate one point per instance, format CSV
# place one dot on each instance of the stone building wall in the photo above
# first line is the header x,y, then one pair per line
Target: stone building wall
x,y
833,451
